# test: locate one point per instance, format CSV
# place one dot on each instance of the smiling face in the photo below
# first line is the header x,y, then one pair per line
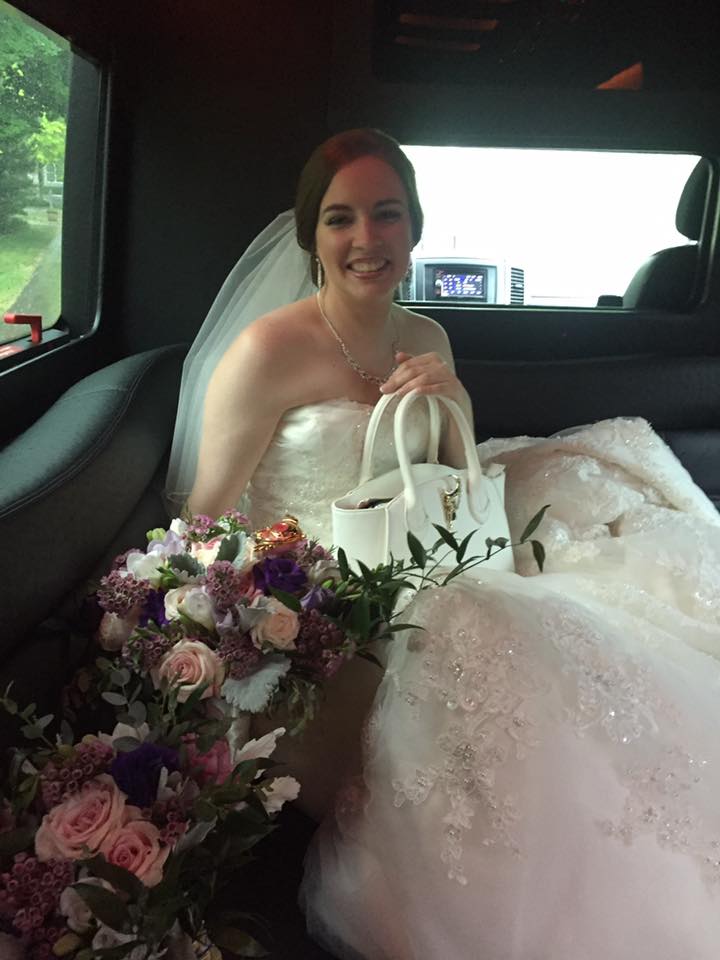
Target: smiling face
x,y
363,236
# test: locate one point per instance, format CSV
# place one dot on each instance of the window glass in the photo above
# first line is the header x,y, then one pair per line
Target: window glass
x,y
540,227
34,88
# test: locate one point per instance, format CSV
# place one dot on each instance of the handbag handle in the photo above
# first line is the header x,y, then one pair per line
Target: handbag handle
x,y
477,502
431,454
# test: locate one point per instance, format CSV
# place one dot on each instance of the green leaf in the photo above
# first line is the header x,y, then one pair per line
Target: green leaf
x,y
366,655
359,619
367,574
417,550
464,545
10,706
228,548
28,711
446,536
105,905
116,699
533,524
291,602
117,876
343,564
539,553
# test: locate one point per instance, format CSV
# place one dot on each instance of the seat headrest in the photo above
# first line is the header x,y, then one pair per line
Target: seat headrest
x,y
691,205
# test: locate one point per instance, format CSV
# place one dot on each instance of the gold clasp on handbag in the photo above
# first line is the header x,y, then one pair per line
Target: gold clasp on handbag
x,y
450,500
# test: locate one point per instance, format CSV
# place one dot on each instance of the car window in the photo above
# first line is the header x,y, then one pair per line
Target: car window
x,y
554,228
34,90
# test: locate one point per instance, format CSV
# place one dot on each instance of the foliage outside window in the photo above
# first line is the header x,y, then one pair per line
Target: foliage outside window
x,y
34,88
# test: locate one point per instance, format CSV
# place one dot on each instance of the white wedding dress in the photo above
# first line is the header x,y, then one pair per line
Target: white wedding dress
x,y
541,764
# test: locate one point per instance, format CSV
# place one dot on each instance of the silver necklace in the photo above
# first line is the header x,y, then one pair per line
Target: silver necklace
x,y
349,358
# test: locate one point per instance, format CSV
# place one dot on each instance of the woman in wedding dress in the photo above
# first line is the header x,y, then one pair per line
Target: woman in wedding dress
x,y
540,764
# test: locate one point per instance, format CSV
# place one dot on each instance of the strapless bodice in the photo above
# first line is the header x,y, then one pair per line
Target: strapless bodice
x,y
315,457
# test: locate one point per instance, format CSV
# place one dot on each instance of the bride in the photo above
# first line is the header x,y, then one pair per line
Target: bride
x,y
540,766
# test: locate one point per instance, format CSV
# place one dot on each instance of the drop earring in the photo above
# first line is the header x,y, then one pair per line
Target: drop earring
x,y
319,273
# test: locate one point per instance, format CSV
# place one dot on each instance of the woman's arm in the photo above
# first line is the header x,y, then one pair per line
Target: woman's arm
x,y
432,371
245,400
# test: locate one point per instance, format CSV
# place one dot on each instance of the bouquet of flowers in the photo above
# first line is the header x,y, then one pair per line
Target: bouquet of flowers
x,y
116,844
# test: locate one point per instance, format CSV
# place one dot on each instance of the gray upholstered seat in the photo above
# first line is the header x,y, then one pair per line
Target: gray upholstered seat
x,y
666,280
77,484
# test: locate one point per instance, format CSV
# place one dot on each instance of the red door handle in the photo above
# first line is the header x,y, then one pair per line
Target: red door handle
x,y
34,321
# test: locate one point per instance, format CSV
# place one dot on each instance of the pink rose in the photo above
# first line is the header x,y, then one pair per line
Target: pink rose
x,y
136,847
247,587
114,631
215,766
83,821
190,664
278,628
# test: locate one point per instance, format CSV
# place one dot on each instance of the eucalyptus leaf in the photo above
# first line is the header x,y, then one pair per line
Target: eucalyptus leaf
x,y
116,699
120,676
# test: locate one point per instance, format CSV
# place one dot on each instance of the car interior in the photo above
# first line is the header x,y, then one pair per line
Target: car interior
x,y
187,125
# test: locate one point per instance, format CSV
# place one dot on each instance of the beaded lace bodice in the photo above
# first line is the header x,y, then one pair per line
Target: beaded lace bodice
x,y
314,457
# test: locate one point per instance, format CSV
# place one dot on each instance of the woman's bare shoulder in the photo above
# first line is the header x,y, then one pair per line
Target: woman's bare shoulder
x,y
421,334
274,341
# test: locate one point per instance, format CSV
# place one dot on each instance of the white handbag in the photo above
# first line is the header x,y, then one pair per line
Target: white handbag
x,y
372,521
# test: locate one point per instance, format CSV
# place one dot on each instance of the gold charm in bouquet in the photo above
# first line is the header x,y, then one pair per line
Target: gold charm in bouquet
x,y
285,533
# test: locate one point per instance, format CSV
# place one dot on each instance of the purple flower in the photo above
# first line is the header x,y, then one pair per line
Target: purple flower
x,y
153,609
315,597
137,773
282,573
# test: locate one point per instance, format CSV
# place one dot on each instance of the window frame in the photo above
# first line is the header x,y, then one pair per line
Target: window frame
x,y
82,236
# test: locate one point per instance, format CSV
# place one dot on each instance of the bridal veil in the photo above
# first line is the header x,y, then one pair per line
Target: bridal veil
x,y
273,271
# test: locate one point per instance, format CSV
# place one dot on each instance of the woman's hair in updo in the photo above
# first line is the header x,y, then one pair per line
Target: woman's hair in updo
x,y
338,152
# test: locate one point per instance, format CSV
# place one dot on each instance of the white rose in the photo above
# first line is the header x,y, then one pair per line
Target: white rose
x,y
279,791
278,627
114,632
193,601
323,570
72,906
190,664
144,566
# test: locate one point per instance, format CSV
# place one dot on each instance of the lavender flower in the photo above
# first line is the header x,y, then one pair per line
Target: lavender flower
x,y
119,593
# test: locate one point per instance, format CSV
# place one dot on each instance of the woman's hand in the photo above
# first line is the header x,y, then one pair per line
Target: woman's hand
x,y
427,373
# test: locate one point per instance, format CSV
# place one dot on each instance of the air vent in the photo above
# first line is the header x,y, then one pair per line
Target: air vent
x,y
517,285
